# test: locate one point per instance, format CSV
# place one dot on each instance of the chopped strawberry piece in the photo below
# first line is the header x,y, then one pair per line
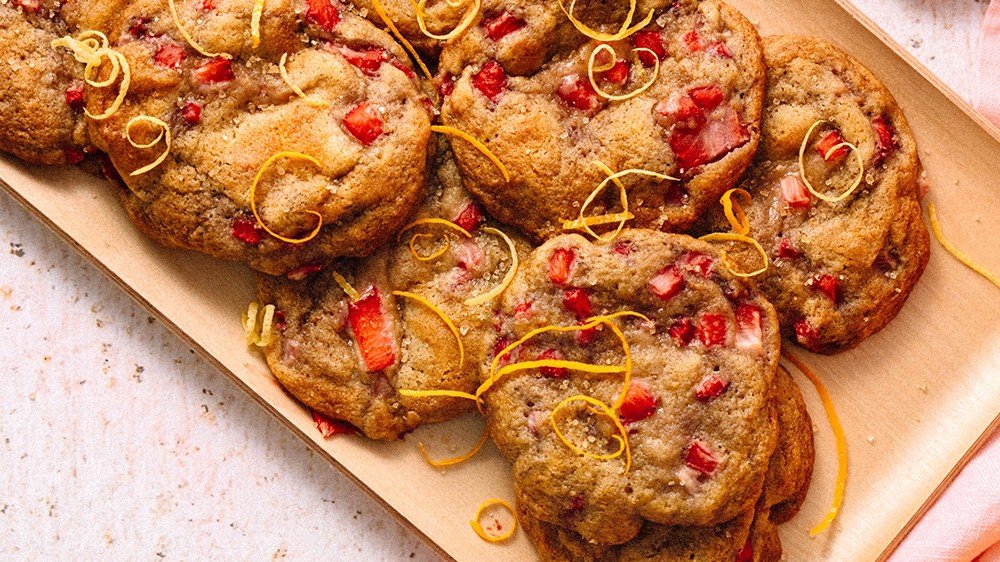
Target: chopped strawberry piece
x,y
681,331
711,387
700,458
552,372
322,13
806,334
692,41
470,255
328,426
682,111
749,328
712,330
29,6
208,5
577,92
675,194
794,192
372,331
561,265
368,59
491,80
446,84
398,65
278,320
719,49
639,403
697,263
667,283
651,40
746,553
723,132
787,251
522,308
303,271
191,113
584,337
825,146
169,55
469,217
829,286
74,95
885,143
73,155
886,261
624,247
137,27
577,301
617,74
214,71
500,345
502,25
707,97
247,229
364,123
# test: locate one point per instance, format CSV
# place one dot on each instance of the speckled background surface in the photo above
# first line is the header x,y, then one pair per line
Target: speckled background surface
x,y
118,442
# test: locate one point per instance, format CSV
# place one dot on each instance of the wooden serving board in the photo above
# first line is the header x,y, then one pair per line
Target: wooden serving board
x,y
915,400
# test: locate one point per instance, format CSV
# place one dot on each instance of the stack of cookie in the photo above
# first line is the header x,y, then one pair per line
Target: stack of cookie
x,y
630,375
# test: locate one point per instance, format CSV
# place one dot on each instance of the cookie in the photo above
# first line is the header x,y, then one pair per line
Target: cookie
x,y
749,536
348,358
361,119
441,18
527,96
841,270
41,88
698,410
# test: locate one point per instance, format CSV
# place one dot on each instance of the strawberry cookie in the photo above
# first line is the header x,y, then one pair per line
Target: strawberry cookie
x,y
349,357
637,387
750,536
842,225
41,88
679,97
284,143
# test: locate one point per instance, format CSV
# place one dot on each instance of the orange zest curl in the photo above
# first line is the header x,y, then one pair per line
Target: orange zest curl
x,y
455,460
591,69
582,221
488,296
91,48
447,242
462,26
443,317
738,220
802,166
409,46
253,197
348,289
190,40
838,433
258,10
622,33
452,131
953,250
163,134
730,265
604,410
478,528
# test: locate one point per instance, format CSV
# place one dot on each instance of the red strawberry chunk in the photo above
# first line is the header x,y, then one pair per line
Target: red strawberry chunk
x,y
697,263
692,41
700,457
491,80
73,155
885,143
722,133
398,65
711,387
746,553
639,403
446,84
247,229
328,426
368,59
794,192
667,283
502,25
303,271
137,26
719,49
552,372
469,217
169,55
577,92
364,123
74,95
322,13
886,261
278,320
372,331
214,71
470,255
651,40
577,301
806,334
749,328
617,74
584,337
707,97
712,330
521,309
682,111
624,247
191,113
561,265
208,5
681,331
787,251
825,146
829,286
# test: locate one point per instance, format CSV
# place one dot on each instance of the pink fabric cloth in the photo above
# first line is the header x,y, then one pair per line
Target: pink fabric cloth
x,y
964,524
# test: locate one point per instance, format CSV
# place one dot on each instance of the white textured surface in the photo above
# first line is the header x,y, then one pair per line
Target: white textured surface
x,y
118,442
